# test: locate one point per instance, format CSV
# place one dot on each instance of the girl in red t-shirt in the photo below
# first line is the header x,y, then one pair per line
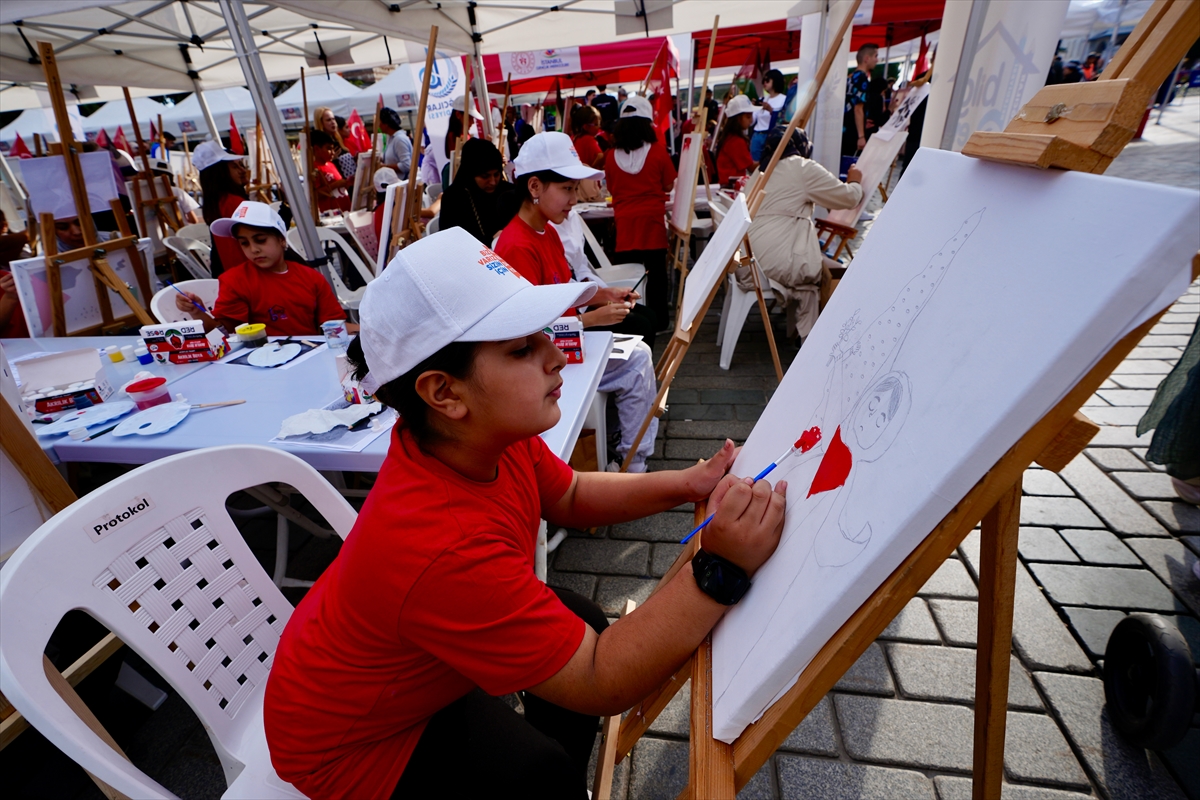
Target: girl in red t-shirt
x,y
389,676
733,142
223,187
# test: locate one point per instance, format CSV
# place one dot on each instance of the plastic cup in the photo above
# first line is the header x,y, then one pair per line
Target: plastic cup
x,y
148,393
336,335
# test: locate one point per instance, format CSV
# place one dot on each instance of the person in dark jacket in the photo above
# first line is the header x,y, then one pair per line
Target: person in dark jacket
x,y
472,201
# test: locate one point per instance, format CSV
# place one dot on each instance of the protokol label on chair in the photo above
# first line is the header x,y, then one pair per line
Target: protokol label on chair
x,y
114,519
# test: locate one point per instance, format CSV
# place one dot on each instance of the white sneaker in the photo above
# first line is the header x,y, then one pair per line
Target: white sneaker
x,y
866,216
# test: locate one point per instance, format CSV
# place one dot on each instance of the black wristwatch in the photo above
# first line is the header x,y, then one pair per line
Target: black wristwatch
x,y
719,578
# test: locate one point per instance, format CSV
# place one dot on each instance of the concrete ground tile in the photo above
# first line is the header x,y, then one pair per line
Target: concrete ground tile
x,y
1135,381
702,429
612,593
1166,340
669,526
692,449
1172,329
675,718
1177,515
1103,587
1138,398
1122,514
1100,547
815,734
610,556
1036,752
868,675
1172,563
1120,436
1043,544
572,581
662,557
1114,458
693,412
685,396
1040,638
1118,414
1192,542
659,769
761,786
958,621
1161,353
744,396
912,624
1146,485
1182,758
748,413
1061,512
821,779
1122,771
948,674
951,788
1044,482
1094,626
620,773
905,732
950,580
1143,367
1141,453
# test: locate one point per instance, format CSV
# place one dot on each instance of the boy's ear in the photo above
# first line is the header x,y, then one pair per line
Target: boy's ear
x,y
436,389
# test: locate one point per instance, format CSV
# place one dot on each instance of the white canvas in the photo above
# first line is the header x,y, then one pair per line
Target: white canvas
x,y
81,304
396,193
983,294
712,262
689,165
50,190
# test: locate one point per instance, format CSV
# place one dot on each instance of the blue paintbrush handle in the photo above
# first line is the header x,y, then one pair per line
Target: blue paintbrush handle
x,y
700,527
190,300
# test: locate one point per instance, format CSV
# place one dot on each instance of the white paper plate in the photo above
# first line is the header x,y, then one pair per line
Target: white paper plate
x,y
85,418
272,354
156,419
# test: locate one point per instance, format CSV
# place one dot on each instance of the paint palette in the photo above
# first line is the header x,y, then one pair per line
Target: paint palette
x,y
273,354
157,419
85,418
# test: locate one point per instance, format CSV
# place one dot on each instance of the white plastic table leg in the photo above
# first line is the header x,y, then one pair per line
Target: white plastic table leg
x,y
539,554
597,420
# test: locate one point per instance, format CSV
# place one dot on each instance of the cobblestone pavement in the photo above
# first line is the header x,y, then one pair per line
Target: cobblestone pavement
x,y
1105,537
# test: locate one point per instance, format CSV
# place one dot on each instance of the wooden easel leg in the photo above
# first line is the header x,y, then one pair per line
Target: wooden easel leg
x,y
997,580
606,759
710,763
762,309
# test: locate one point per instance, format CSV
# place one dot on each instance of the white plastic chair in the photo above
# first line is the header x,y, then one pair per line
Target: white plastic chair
x,y
361,225
194,254
434,190
433,226
625,275
348,299
198,231
163,307
179,585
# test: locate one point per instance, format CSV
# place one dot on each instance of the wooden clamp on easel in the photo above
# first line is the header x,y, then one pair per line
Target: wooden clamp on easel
x,y
93,250
408,230
1101,119
165,208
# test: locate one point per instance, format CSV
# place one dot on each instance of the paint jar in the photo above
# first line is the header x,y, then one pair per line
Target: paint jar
x,y
148,393
252,334
143,354
335,335
127,353
114,354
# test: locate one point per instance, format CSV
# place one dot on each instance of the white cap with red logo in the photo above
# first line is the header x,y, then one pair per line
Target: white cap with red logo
x,y
449,287
553,151
249,212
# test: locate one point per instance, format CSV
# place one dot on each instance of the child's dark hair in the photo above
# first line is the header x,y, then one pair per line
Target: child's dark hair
x,y
233,231
456,359
319,138
511,201
633,132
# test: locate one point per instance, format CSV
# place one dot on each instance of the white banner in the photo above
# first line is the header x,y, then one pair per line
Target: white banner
x,y
532,63
446,87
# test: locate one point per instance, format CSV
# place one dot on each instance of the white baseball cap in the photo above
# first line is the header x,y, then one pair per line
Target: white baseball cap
x,y
740,104
385,177
209,153
249,212
637,106
449,287
553,151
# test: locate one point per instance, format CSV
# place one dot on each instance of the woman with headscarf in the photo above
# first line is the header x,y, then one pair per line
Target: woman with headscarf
x,y
472,201
782,235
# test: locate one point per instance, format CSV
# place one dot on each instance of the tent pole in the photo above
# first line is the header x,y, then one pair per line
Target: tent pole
x,y
256,80
481,89
208,117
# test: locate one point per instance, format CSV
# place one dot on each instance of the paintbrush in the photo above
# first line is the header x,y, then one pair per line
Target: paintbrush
x,y
203,310
807,441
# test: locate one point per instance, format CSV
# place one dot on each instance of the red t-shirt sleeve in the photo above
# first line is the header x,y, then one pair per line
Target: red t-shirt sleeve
x,y
553,475
588,149
479,608
232,296
517,253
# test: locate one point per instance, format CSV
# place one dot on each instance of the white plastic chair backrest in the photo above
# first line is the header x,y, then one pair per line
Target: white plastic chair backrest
x,y
434,190
433,226
198,231
188,252
344,294
601,256
163,307
361,225
155,557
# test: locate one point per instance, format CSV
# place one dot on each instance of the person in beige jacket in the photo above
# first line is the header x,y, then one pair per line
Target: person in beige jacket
x,y
782,234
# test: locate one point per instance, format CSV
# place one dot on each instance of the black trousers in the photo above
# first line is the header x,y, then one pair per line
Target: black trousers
x,y
479,747
640,322
658,288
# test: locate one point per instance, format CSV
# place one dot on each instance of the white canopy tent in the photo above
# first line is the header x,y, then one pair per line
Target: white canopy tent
x,y
398,89
333,92
188,117
115,113
31,121
17,96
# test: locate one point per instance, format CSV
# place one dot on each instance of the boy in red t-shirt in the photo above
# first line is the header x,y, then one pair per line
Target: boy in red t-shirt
x,y
289,298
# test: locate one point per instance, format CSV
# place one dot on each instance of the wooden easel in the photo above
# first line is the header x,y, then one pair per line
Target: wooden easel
x,y
502,134
368,186
456,156
263,170
165,207
1109,111
94,251
408,230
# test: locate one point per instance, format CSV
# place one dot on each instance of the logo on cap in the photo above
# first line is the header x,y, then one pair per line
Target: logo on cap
x,y
241,212
495,263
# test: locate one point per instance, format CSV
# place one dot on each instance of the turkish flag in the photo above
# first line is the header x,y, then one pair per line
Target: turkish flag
x,y
19,149
658,84
102,139
922,59
153,132
235,139
359,141
121,142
